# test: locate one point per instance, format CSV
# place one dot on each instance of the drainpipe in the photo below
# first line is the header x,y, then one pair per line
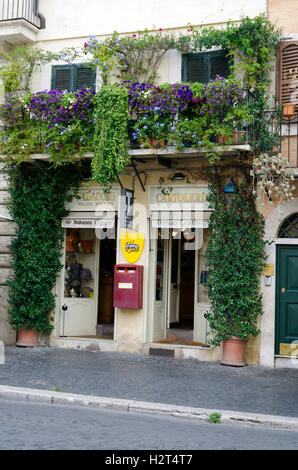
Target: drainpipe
x,y
39,15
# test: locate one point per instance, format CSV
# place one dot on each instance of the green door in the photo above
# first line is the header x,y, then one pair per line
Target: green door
x,y
287,300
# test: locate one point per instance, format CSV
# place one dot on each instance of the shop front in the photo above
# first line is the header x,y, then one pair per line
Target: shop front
x,y
85,286
178,265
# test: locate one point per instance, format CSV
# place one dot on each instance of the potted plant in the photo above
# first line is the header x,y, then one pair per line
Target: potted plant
x,y
237,228
289,87
288,109
27,338
152,129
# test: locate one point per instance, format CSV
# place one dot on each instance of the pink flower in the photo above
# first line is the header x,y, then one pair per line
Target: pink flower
x,y
134,35
189,30
160,29
85,44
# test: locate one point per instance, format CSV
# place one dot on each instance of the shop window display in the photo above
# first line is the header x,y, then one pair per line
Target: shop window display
x,y
79,263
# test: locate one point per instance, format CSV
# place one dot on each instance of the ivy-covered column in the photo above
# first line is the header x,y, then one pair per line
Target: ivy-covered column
x,y
236,255
37,197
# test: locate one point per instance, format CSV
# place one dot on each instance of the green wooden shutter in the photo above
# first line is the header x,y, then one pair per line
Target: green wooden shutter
x,y
219,65
194,68
62,77
85,78
204,66
72,77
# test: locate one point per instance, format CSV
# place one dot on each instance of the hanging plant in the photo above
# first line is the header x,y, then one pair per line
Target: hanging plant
x,y
110,135
274,178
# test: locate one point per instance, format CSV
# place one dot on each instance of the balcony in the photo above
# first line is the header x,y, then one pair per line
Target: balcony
x,y
287,130
20,21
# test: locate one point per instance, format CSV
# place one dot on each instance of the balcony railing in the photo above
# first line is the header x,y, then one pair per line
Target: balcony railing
x,y
27,10
286,128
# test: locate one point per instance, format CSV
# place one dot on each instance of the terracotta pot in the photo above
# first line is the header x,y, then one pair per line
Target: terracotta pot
x,y
288,109
27,338
223,140
153,143
233,352
238,137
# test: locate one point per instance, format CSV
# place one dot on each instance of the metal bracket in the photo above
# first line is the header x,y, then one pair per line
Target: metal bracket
x,y
119,182
138,175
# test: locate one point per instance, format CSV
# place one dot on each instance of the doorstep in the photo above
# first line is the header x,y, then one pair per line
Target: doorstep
x,y
285,362
85,344
182,351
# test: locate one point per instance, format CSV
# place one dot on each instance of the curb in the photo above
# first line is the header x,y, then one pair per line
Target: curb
x,y
62,398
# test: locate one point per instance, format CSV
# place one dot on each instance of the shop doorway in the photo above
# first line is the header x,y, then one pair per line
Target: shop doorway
x,y
105,317
181,294
88,283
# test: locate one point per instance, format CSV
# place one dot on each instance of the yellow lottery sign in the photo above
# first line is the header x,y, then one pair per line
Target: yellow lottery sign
x,y
132,245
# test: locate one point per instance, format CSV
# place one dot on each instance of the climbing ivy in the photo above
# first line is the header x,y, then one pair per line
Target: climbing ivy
x,y
236,255
110,134
37,198
252,47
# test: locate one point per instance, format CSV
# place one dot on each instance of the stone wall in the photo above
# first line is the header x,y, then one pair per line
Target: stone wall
x,y
7,230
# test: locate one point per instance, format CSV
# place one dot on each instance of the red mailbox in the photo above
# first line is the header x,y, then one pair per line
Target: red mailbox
x,y
128,286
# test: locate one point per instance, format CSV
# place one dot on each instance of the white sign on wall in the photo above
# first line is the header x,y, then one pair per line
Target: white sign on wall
x,y
175,198
93,199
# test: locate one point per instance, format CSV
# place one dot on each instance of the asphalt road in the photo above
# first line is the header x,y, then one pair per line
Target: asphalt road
x,y
26,426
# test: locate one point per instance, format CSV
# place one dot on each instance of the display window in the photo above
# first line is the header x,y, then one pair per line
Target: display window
x,y
79,272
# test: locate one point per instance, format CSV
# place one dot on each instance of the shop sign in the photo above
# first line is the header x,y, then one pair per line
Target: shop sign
x,y
132,245
90,199
91,222
171,198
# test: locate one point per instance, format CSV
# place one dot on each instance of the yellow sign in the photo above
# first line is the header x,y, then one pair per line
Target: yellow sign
x,y
268,270
132,245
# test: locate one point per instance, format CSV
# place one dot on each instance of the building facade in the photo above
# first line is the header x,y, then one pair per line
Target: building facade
x,y
169,213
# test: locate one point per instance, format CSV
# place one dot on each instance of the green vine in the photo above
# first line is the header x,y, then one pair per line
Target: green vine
x,y
37,198
252,46
18,67
236,257
110,135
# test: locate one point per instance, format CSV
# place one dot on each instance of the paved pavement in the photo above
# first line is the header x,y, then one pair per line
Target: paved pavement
x,y
68,427
183,382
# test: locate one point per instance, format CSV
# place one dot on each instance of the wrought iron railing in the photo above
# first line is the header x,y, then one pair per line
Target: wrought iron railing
x,y
21,10
286,131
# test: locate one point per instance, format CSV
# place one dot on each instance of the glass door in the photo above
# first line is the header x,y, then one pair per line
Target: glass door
x,y
201,305
80,283
159,280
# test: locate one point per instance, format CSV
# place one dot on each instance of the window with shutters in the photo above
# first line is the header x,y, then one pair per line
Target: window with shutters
x,y
287,76
204,66
72,77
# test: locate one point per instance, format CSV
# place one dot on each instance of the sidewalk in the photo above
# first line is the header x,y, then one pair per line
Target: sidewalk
x,y
169,381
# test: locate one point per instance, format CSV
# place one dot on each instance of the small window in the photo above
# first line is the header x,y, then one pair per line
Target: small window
x,y
72,77
289,228
205,66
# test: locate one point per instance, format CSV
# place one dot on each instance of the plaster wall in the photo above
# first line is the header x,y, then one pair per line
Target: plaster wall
x,y
284,14
75,18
